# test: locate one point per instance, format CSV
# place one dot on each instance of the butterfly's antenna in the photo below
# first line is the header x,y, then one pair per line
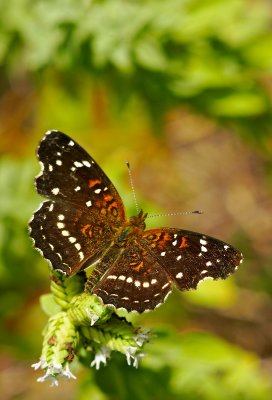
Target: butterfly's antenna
x,y
173,214
132,186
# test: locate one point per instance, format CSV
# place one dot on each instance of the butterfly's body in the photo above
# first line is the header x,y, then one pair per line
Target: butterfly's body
x,y
84,222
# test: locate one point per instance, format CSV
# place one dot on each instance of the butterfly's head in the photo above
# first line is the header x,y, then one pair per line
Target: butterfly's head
x,y
138,221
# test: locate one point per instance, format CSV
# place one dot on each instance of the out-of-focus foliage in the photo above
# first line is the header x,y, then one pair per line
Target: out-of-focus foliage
x,y
99,70
191,366
213,54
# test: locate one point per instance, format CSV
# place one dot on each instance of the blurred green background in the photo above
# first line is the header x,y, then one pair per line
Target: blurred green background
x,y
183,90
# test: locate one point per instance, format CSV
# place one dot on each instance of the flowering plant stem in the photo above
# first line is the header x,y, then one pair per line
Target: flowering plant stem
x,y
81,322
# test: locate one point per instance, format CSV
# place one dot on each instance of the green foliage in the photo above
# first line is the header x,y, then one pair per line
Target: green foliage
x,y
209,53
191,366
17,203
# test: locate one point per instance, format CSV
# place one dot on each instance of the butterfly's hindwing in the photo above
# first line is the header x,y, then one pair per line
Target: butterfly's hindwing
x,y
190,257
134,280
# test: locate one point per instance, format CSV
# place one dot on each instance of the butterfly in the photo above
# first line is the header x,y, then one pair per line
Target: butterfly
x,y
84,222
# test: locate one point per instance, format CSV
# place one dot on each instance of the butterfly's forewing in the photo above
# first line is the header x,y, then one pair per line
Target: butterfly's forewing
x,y
84,206
70,174
190,257
134,280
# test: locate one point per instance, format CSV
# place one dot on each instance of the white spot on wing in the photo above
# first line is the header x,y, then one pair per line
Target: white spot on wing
x,y
60,225
51,207
81,255
129,280
174,243
153,281
165,297
72,239
77,246
208,263
165,285
137,283
178,257
87,164
146,284
226,247
65,233
78,164
205,279
203,248
179,275
88,203
112,277
97,191
59,162
202,241
122,277
55,191
50,167
77,189
61,217
71,143
163,253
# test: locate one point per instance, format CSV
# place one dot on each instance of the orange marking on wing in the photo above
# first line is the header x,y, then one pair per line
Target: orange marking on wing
x,y
108,197
85,227
167,237
93,182
183,243
112,205
148,271
100,204
139,266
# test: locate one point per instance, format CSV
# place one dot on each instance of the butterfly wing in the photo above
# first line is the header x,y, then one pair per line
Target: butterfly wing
x,y
84,205
190,257
134,280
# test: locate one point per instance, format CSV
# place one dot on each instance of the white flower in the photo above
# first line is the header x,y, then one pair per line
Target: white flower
x,y
67,373
41,364
53,371
101,357
131,354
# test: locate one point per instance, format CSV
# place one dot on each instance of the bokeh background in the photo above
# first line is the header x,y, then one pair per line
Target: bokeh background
x,y
183,90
